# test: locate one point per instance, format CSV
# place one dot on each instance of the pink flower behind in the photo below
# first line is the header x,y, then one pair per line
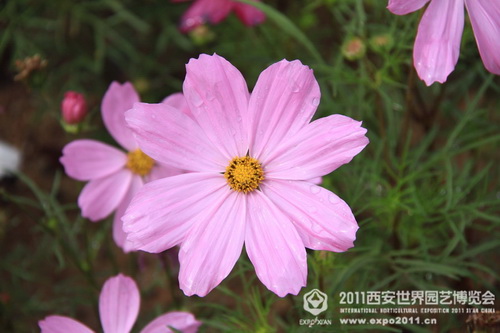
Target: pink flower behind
x,y
214,11
252,160
114,176
118,308
437,45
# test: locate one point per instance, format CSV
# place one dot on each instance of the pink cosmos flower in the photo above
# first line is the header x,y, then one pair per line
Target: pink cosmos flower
x,y
114,175
437,45
214,11
118,308
251,159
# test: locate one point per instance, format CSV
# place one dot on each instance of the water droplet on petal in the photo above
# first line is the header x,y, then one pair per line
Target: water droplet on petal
x,y
306,222
315,189
312,209
295,87
195,98
333,199
315,101
209,96
316,228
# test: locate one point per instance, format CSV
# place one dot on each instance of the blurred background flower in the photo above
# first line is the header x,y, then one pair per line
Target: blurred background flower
x,y
214,11
437,45
114,175
10,159
118,308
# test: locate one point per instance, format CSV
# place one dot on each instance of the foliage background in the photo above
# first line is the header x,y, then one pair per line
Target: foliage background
x,y
425,191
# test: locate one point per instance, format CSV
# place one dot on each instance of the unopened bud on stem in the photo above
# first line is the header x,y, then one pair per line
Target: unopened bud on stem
x,y
73,107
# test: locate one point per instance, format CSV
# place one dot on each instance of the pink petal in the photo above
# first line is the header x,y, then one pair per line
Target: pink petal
x,y
323,220
61,324
217,95
316,180
118,99
213,245
171,137
437,45
403,7
318,149
485,18
249,14
161,171
89,159
285,98
184,322
119,304
162,212
178,101
119,235
274,247
203,11
100,197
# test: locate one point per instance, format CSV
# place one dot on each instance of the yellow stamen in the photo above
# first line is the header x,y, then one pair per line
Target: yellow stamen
x,y
244,174
139,163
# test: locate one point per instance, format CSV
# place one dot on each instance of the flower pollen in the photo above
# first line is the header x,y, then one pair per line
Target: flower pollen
x,y
244,174
139,163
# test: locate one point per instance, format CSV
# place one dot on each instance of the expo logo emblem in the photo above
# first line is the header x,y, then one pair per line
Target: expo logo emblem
x,y
315,302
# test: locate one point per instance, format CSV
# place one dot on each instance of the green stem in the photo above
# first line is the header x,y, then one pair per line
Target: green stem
x,y
287,26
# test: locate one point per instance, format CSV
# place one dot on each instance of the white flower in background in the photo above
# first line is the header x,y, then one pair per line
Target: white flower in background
x,y
10,159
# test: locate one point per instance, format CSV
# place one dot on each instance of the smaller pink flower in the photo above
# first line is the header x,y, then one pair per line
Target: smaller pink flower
x,y
214,11
437,45
73,107
118,308
114,175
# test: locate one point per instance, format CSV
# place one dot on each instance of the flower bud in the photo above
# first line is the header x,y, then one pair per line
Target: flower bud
x,y
202,35
74,107
381,43
354,48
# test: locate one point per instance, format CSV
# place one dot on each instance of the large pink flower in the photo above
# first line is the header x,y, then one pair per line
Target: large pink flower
x,y
437,45
251,159
114,176
118,308
214,11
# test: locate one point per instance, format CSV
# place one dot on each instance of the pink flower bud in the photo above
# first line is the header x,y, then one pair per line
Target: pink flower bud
x,y
74,107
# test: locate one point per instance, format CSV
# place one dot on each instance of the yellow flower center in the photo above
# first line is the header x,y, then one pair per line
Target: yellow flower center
x,y
139,163
244,174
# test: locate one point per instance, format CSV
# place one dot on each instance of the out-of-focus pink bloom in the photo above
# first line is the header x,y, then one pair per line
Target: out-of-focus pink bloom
x,y
114,175
73,107
118,308
214,11
251,161
437,45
